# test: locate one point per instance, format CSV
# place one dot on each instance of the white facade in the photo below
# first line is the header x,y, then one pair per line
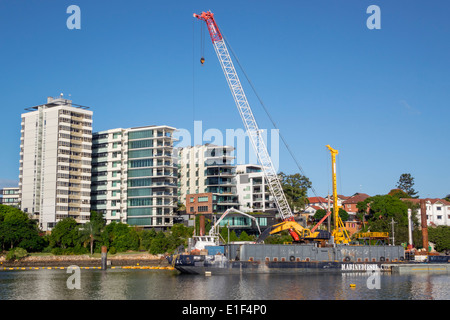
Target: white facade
x,y
134,176
55,162
438,211
252,189
208,168
109,175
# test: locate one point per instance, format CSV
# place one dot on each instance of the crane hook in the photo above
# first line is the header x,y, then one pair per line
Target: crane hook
x,y
202,60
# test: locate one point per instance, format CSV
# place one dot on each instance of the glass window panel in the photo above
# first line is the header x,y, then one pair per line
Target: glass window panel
x,y
140,144
140,173
139,192
140,163
140,134
140,153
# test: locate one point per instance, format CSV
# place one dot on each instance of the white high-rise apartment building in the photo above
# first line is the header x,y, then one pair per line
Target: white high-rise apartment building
x,y
208,168
55,162
134,178
252,189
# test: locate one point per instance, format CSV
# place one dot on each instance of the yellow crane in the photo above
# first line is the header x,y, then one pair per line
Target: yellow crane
x,y
339,233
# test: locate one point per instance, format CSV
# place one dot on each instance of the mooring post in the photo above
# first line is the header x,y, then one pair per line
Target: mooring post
x,y
104,257
423,216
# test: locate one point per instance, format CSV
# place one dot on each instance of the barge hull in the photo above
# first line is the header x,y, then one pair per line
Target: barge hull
x,y
259,258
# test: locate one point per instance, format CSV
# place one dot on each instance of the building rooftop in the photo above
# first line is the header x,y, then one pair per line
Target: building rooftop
x,y
56,102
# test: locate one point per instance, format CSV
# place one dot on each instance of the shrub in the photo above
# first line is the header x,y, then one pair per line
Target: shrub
x,y
16,254
57,251
112,250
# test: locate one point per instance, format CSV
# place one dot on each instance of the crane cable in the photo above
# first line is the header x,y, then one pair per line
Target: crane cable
x,y
268,114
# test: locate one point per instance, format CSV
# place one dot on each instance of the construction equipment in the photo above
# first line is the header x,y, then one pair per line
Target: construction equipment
x,y
296,231
339,233
214,230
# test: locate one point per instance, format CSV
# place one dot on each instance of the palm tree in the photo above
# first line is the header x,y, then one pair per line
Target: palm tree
x,y
90,232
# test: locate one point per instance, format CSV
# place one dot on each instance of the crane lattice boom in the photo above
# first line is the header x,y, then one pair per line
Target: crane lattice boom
x,y
246,113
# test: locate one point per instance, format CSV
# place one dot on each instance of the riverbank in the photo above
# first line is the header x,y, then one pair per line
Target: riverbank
x,y
126,259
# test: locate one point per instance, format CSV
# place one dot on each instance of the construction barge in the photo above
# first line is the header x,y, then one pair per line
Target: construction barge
x,y
288,258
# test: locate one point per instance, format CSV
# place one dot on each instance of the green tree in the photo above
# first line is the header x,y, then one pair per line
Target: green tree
x,y
17,230
245,237
440,236
90,232
97,219
179,230
295,187
398,193
406,183
224,234
146,237
123,237
160,244
65,234
320,213
382,209
279,238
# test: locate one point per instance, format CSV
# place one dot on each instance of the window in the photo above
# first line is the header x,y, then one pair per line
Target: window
x,y
140,163
139,221
140,153
439,217
139,202
262,222
140,144
144,182
203,199
140,134
139,211
438,208
140,173
203,208
139,192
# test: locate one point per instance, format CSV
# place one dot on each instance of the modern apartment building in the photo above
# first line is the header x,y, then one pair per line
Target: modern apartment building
x,y
208,169
9,196
134,178
55,162
252,190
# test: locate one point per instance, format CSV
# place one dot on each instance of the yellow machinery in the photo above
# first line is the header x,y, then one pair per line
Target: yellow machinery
x,y
339,233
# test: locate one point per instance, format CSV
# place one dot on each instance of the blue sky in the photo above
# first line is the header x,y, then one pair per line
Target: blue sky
x,y
381,97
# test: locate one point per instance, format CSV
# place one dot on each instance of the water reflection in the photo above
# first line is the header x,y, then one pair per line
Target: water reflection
x,y
150,285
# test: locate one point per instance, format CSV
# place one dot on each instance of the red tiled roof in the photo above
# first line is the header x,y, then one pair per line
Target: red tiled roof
x,y
357,197
433,201
317,200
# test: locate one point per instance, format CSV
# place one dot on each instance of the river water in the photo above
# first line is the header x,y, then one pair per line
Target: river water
x,y
122,284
